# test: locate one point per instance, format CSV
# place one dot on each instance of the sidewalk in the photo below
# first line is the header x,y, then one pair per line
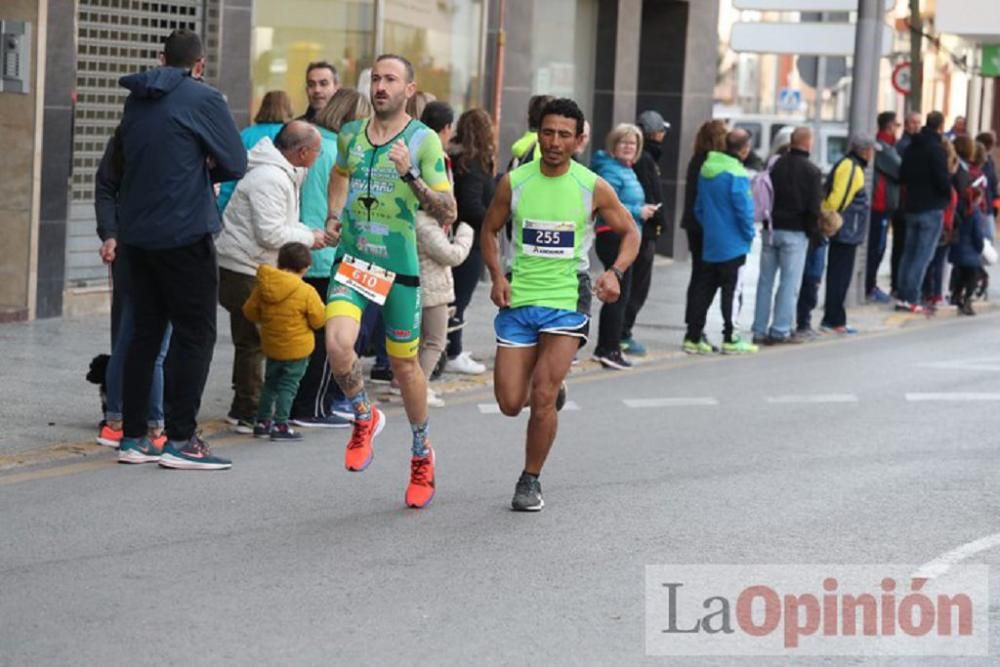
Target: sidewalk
x,y
47,401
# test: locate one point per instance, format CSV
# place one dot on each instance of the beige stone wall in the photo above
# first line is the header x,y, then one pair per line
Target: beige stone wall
x,y
20,159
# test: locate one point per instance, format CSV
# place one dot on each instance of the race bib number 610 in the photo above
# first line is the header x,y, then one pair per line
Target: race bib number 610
x,y
369,280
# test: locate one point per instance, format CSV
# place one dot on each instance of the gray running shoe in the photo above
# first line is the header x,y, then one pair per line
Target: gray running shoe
x,y
561,397
527,495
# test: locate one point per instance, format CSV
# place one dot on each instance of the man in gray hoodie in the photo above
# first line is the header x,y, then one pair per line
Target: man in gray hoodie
x,y
177,139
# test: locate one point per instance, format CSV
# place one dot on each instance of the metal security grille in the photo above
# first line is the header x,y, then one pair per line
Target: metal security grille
x,y
116,37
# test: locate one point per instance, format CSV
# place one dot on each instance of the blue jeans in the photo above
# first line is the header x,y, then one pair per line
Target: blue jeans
x,y
812,276
785,251
922,233
115,375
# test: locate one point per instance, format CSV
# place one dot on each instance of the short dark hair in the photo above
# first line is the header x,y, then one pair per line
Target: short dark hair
x,y
294,256
987,139
736,141
182,48
885,119
322,64
411,74
437,115
565,107
536,105
935,120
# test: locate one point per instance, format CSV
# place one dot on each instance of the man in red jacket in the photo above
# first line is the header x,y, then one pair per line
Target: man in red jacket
x,y
885,201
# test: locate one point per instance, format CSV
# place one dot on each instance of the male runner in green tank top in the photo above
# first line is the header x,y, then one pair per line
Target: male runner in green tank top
x,y
387,167
545,307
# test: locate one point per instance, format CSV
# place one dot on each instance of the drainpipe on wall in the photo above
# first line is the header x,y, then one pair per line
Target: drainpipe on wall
x,y
498,71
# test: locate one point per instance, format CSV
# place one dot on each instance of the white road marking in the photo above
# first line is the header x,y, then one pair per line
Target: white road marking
x,y
954,396
947,560
813,398
494,409
981,364
669,402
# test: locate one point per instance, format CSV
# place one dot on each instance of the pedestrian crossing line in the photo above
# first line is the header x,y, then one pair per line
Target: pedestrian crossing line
x,y
812,398
494,409
953,396
681,402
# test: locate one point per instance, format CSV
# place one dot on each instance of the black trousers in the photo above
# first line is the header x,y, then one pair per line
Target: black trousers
x,y
642,278
712,277
696,242
965,280
898,242
839,270
317,390
179,286
466,276
612,319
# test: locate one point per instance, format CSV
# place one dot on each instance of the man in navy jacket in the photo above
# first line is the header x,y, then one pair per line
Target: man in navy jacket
x,y
177,139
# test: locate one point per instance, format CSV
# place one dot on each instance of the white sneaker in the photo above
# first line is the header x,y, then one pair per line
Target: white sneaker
x,y
433,400
464,363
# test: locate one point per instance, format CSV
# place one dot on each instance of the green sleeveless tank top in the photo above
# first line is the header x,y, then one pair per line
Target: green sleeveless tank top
x,y
552,234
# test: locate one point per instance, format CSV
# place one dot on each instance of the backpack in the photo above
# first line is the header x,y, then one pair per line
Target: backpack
x,y
762,191
854,217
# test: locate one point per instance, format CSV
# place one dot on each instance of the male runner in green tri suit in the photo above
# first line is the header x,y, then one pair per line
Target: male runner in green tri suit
x,y
545,308
387,167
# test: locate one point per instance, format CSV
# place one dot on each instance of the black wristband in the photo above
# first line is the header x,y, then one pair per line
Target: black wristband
x,y
619,274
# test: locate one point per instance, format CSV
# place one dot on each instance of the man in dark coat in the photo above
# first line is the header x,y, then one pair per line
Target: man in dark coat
x,y
177,138
647,170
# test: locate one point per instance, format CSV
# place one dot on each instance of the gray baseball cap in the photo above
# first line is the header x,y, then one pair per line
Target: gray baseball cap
x,y
862,141
651,121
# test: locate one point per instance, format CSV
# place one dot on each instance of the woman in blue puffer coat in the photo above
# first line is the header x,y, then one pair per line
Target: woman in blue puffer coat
x,y
624,146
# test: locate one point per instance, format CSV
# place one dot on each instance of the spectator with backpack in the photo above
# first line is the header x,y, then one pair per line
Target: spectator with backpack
x,y
847,196
525,149
885,201
797,188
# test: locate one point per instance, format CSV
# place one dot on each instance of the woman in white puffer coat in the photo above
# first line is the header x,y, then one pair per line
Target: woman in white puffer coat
x,y
438,253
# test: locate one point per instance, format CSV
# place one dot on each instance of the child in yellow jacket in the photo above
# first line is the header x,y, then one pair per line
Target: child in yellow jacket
x,y
288,311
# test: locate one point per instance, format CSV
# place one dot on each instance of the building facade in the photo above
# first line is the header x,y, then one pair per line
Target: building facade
x,y
615,57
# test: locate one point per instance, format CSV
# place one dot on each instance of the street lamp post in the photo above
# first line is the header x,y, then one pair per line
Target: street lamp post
x,y
864,106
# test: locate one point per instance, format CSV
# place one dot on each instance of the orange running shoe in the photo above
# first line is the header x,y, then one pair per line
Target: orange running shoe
x,y
110,437
359,452
421,489
158,440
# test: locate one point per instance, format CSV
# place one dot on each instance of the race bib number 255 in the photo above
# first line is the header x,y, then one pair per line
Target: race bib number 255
x,y
549,239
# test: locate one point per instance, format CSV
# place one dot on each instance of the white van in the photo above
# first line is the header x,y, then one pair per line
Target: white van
x,y
828,148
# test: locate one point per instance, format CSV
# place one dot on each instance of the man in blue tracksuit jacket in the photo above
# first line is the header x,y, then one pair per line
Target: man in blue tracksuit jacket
x,y
724,207
177,138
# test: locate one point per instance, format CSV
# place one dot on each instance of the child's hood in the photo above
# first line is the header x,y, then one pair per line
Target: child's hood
x,y
276,285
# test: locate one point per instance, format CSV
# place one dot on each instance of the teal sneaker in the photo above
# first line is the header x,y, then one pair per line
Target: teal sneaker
x,y
701,347
191,455
138,450
632,346
739,346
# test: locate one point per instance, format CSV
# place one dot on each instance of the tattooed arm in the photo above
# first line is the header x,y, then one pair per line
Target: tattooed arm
x,y
439,205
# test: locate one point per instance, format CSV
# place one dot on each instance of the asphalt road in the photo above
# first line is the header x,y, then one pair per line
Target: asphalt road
x,y
289,559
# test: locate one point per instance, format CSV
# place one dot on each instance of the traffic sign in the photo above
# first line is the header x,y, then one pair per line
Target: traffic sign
x,y
789,99
901,78
805,5
817,39
991,60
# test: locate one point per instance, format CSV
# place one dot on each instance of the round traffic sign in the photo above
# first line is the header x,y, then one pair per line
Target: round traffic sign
x,y
901,78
